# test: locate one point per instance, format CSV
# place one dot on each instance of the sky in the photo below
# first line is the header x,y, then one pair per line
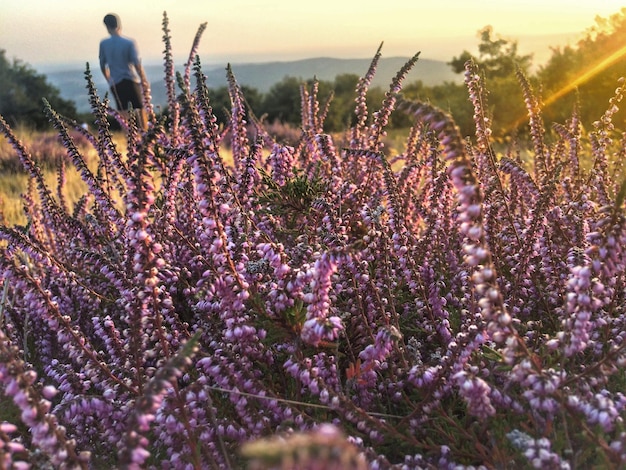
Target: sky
x,y
50,33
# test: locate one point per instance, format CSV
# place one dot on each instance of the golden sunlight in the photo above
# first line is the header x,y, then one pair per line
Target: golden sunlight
x,y
587,74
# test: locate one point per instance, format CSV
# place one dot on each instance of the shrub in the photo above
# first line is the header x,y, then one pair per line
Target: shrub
x,y
45,148
442,307
21,92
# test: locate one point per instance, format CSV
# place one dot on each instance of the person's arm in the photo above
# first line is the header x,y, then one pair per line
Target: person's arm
x,y
103,65
140,71
136,61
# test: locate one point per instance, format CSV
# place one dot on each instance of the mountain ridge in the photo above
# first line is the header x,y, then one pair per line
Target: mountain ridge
x,y
263,75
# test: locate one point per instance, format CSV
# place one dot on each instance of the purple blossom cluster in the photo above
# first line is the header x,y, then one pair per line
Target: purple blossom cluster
x,y
537,451
325,303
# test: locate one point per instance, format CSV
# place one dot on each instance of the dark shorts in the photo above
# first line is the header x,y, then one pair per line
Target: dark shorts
x,y
127,93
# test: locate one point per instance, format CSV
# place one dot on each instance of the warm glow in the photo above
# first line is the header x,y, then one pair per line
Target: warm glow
x,y
48,32
587,74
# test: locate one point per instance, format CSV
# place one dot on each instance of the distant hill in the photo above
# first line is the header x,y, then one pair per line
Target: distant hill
x,y
262,76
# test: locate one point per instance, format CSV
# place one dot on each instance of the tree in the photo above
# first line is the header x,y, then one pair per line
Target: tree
x,y
282,102
221,105
21,92
499,60
586,73
341,112
448,96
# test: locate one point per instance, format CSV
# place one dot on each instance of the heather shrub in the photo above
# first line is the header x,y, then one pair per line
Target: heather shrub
x,y
45,149
283,133
322,304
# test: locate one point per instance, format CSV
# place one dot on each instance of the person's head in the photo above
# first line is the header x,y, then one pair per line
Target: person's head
x,y
112,22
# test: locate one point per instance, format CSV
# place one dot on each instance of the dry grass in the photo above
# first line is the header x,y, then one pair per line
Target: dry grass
x,y
47,151
15,185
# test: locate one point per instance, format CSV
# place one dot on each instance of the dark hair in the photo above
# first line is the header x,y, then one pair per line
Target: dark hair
x,y
112,21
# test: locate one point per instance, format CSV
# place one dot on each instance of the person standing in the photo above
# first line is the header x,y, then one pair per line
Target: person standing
x,y
120,65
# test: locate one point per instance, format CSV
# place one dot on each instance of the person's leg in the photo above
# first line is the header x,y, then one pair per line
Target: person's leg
x,y
118,102
137,103
128,94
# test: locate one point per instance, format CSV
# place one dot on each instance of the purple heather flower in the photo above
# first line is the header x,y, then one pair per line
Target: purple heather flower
x,y
475,391
319,326
581,305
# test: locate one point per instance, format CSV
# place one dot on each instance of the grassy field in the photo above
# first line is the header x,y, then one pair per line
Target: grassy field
x,y
47,151
15,185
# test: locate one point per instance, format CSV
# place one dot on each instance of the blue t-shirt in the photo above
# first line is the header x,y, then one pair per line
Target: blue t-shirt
x,y
120,55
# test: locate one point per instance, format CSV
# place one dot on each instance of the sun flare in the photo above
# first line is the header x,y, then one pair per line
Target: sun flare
x,y
587,74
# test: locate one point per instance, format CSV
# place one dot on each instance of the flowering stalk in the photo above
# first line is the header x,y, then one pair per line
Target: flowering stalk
x,y
320,325
135,447
18,384
193,53
356,139
170,83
